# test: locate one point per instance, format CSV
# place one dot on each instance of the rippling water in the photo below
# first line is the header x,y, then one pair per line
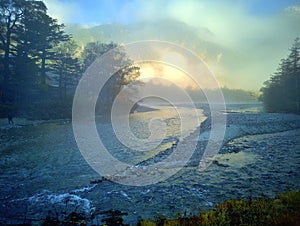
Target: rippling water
x,y
139,125
42,170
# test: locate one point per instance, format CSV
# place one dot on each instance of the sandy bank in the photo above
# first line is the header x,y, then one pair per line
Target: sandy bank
x,y
237,125
241,124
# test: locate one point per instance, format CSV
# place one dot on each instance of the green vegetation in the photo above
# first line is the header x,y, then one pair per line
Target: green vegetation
x,y
40,64
281,93
230,95
283,210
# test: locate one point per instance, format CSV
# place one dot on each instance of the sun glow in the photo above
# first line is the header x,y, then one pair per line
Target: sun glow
x,y
170,75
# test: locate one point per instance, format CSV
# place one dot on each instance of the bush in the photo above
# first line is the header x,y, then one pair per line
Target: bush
x,y
283,210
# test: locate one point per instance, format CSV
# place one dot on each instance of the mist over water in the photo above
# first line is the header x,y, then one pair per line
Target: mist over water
x,y
51,170
45,172
139,125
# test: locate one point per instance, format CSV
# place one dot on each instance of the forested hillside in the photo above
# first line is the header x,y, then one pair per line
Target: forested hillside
x,y
281,93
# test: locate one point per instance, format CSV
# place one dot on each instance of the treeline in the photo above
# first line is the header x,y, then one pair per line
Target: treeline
x,y
40,64
281,93
230,95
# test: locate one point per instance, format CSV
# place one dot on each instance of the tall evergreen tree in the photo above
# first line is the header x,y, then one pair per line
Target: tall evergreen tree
x,y
41,34
282,91
67,66
11,13
28,37
122,77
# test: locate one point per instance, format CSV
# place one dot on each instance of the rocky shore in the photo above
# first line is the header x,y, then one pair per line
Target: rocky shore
x,y
42,169
238,125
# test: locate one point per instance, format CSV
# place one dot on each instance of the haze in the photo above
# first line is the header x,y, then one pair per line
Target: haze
x,y
241,41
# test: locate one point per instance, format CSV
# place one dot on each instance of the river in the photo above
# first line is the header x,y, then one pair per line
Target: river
x,y
43,172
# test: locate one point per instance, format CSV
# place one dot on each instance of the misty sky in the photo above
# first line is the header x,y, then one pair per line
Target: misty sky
x,y
253,35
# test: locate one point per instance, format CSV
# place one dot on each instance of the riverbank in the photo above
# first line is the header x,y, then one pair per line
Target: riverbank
x,y
20,122
43,170
239,123
282,210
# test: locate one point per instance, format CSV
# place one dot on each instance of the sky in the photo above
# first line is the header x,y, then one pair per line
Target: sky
x,y
256,34
128,11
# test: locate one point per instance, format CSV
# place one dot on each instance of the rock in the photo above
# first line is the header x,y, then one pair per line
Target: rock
x,y
216,162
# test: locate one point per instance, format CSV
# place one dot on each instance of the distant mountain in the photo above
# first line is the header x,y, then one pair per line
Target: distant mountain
x,y
196,39
199,40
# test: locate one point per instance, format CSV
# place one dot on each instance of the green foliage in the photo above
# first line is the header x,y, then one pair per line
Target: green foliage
x,y
230,95
281,93
282,210
66,66
27,36
92,50
40,65
238,95
117,59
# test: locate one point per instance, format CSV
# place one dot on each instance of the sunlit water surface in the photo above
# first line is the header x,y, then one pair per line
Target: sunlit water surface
x,y
44,173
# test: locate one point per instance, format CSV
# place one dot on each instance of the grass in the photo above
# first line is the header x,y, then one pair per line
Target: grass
x,y
282,210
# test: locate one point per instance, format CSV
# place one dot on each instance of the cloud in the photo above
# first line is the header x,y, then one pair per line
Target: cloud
x,y
252,36
254,42
293,10
64,12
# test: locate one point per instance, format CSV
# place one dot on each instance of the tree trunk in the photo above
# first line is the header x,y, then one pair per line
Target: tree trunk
x,y
60,82
6,64
65,87
43,67
6,57
297,95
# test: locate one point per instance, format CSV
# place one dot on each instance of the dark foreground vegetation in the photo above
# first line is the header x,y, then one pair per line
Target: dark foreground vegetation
x,y
40,64
284,209
281,93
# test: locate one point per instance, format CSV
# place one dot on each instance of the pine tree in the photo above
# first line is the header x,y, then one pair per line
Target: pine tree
x,y
11,13
67,66
282,91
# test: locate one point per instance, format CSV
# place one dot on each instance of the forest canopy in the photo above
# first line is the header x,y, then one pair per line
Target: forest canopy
x,y
40,64
281,93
